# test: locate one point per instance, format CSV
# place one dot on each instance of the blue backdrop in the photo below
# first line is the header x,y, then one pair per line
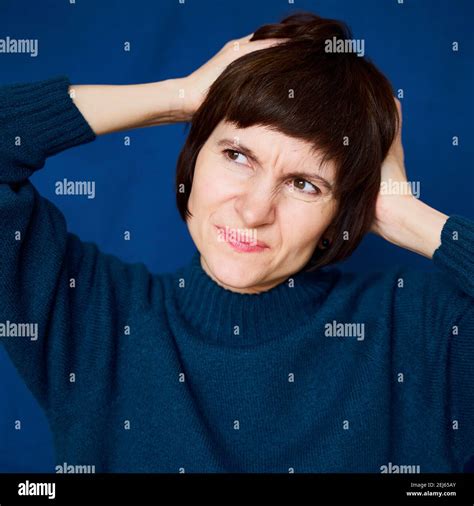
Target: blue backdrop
x,y
411,41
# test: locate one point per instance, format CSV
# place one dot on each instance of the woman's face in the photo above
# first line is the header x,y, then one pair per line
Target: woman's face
x,y
260,203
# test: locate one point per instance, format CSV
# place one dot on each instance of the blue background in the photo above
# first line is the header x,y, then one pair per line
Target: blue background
x,y
410,42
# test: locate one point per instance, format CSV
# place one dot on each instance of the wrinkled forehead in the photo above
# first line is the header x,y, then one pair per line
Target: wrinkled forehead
x,y
272,148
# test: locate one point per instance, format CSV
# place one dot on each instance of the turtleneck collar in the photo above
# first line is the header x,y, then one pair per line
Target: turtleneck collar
x,y
219,315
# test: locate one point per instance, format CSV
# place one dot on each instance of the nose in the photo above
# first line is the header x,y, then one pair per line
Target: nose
x,y
256,204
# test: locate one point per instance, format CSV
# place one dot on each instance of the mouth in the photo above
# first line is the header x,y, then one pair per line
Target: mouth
x,y
239,243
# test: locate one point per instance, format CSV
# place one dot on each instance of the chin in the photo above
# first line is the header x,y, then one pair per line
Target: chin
x,y
232,272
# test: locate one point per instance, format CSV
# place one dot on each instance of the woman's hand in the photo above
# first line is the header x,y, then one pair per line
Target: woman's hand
x,y
393,176
116,108
196,85
400,217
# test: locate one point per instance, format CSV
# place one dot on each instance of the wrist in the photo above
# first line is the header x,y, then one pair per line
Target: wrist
x,y
170,104
411,224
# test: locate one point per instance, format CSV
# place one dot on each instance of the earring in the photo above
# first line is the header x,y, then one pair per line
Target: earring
x,y
325,243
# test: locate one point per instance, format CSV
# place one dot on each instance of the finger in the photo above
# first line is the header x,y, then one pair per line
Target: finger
x,y
246,38
399,109
279,41
268,42
255,45
398,134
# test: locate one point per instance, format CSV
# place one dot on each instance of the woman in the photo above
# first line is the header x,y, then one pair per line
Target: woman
x,y
252,358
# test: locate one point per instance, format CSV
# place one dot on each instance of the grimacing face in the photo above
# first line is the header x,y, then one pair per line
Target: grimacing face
x,y
260,203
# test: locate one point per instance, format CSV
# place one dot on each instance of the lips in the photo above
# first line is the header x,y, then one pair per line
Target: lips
x,y
241,243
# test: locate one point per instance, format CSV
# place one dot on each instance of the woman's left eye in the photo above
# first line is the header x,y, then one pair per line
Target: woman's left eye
x,y
229,154
305,186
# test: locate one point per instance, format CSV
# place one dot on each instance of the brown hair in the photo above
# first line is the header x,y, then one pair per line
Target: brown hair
x,y
337,97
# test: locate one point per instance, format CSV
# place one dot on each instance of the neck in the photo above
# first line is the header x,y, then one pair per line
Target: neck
x,y
218,315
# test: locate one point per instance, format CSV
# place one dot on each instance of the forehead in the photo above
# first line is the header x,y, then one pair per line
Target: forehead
x,y
273,148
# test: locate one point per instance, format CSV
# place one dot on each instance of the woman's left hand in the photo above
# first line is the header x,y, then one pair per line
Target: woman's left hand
x,y
400,217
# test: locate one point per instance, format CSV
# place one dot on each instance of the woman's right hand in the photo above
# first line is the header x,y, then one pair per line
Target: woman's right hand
x,y
197,84
116,108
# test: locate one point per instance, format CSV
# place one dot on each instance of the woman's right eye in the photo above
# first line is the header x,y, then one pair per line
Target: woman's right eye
x,y
230,155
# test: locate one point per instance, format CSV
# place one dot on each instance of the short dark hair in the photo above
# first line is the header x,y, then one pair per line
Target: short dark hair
x,y
342,104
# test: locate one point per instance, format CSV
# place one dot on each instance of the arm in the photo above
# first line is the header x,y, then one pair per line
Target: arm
x,y
60,299
435,339
63,304
41,315
114,108
444,301
38,120
409,223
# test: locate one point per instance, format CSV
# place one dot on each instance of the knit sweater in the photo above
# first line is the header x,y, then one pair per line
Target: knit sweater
x,y
144,372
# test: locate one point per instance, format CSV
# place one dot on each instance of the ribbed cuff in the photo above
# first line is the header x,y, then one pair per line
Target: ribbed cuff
x,y
462,385
456,253
45,112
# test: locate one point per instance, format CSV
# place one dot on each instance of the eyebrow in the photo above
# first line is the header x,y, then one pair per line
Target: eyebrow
x,y
250,154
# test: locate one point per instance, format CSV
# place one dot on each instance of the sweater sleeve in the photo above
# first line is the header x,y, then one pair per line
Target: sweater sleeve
x,y
61,300
455,255
455,259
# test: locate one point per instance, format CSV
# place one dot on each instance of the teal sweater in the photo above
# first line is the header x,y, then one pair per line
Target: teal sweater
x,y
327,372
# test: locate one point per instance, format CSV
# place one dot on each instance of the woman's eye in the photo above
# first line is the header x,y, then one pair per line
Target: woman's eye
x,y
304,186
231,155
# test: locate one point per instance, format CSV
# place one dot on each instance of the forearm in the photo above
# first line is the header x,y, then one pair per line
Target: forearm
x,y
110,108
413,225
447,240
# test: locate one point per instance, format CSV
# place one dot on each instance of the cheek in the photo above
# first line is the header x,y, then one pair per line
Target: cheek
x,y
210,187
304,225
